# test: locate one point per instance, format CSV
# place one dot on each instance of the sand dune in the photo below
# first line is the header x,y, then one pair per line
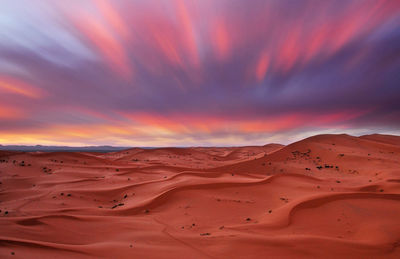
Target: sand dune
x,y
327,196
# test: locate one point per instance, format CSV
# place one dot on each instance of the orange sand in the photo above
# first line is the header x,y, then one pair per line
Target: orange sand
x,y
246,202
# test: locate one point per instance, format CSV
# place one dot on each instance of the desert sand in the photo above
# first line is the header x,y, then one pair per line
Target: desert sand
x,y
327,196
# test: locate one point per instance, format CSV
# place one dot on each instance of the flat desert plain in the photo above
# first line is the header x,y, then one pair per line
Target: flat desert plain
x,y
327,196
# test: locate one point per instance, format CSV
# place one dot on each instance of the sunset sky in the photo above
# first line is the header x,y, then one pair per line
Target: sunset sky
x,y
205,72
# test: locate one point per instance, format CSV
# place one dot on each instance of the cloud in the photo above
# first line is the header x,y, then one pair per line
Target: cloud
x,y
183,72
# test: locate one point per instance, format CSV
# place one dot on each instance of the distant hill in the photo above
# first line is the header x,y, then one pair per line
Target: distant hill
x,y
102,149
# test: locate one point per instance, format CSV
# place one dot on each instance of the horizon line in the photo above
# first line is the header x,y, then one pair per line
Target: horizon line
x,y
110,148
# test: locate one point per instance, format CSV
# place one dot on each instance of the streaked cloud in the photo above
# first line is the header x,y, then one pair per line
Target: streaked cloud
x,y
196,72
10,85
